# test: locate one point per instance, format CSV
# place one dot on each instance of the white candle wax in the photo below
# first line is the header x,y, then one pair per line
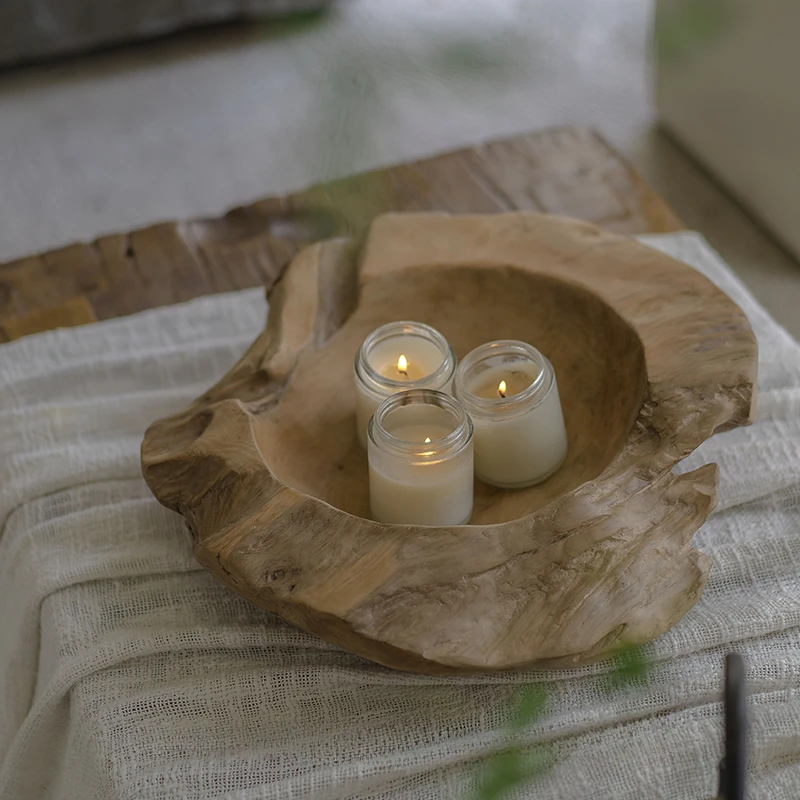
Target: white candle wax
x,y
420,462
513,399
397,357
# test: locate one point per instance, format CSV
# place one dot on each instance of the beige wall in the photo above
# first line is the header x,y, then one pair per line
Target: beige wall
x,y
728,86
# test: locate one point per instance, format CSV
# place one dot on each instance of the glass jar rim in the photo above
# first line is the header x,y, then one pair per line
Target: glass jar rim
x,y
528,398
437,449
400,328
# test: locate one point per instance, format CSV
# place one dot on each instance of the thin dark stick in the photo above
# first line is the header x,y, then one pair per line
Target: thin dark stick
x,y
734,766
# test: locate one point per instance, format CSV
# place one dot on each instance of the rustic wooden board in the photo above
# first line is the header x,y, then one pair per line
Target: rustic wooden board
x,y
569,171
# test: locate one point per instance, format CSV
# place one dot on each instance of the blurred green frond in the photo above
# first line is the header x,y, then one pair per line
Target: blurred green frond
x,y
687,27
511,769
631,668
294,24
476,59
530,707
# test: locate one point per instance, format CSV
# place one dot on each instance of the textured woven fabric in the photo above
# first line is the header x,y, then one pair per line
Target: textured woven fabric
x,y
128,672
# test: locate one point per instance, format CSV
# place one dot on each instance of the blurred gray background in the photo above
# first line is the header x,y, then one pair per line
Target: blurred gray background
x,y
194,124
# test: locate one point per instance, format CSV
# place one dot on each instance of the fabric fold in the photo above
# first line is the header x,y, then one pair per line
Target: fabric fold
x,y
128,672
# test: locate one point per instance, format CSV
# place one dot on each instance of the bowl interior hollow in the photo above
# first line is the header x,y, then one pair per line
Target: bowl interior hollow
x,y
309,442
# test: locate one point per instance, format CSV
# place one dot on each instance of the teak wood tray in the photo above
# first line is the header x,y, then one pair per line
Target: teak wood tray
x,y
651,360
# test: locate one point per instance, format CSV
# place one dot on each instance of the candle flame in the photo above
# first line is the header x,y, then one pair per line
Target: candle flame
x,y
501,389
402,365
427,439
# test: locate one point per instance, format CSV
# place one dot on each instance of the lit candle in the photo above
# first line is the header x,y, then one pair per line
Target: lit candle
x,y
510,391
397,357
420,460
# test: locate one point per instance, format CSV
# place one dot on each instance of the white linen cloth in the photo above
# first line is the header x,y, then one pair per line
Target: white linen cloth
x,y
128,672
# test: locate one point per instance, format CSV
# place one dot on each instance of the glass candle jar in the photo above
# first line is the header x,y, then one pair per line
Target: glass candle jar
x,y
420,460
397,357
509,389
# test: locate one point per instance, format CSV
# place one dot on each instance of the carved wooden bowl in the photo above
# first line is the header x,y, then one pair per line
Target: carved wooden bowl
x,y
651,360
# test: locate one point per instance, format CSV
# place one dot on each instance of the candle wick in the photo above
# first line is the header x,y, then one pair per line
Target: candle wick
x,y
502,394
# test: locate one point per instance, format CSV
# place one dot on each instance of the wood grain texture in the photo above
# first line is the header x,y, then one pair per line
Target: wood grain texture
x,y
651,360
563,171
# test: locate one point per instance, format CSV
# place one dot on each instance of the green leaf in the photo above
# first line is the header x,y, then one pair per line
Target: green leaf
x,y
538,761
293,24
631,667
503,772
690,26
530,707
510,769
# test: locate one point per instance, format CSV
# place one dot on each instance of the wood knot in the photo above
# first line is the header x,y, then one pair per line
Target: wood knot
x,y
280,574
